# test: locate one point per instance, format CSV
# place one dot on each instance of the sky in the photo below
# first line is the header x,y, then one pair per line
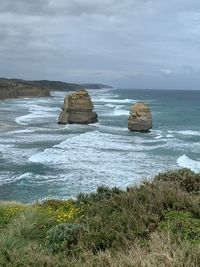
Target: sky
x,y
125,43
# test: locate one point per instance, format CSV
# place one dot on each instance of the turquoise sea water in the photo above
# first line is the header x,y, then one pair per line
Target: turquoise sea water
x,y
41,159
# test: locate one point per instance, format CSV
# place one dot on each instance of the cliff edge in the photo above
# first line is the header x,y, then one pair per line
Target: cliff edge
x,y
15,90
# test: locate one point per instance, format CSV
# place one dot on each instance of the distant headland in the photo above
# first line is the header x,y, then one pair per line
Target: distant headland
x,y
13,88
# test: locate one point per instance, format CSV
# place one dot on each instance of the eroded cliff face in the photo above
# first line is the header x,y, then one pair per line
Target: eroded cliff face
x,y
15,90
140,119
78,108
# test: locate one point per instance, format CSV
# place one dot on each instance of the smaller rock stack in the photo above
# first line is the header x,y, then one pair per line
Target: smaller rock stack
x,y
78,108
140,119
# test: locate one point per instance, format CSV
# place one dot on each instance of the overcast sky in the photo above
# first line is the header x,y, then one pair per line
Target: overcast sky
x,y
125,43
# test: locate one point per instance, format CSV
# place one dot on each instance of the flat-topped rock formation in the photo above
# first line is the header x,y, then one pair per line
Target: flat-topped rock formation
x,y
140,119
78,108
15,90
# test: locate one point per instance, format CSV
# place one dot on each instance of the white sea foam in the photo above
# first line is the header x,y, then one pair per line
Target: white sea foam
x,y
23,176
96,158
186,132
28,177
113,129
5,177
110,105
159,136
91,147
117,101
119,111
23,131
169,136
26,119
186,162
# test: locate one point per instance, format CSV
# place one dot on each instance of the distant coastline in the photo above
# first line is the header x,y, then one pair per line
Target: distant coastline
x,y
14,88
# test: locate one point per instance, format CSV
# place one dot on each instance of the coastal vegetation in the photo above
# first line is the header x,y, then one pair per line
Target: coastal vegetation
x,y
154,224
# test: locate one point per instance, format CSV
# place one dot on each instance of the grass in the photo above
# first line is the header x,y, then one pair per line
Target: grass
x,y
154,224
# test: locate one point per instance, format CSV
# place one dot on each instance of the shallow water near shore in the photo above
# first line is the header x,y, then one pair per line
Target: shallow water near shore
x,y
41,159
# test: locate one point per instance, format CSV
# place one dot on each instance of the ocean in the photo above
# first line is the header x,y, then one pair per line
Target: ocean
x,y
40,159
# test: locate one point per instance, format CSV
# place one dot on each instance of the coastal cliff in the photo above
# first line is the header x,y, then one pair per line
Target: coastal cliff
x,y
15,90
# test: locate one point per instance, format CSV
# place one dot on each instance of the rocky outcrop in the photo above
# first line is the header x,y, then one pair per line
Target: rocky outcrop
x,y
78,108
140,119
15,90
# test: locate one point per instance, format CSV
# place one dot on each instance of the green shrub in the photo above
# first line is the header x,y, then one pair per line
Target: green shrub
x,y
135,214
188,180
183,224
103,192
64,237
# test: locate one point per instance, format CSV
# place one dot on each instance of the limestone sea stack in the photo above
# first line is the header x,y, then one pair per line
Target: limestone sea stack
x,y
78,108
140,119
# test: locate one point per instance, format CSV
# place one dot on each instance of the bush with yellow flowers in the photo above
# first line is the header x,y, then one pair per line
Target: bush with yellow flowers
x,y
62,210
8,212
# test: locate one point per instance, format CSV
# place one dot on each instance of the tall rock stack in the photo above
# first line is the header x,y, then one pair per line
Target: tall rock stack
x,y
140,119
78,108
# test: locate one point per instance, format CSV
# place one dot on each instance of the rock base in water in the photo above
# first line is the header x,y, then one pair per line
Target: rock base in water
x,y
78,108
140,119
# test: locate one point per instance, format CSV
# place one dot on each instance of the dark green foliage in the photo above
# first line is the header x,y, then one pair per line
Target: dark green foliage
x,y
103,192
188,180
182,223
131,215
64,237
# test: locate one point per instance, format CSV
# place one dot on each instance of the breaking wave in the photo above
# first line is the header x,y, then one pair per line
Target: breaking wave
x,y
186,162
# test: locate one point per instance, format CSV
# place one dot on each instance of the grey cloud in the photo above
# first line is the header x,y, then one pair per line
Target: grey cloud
x,y
132,43
24,6
69,7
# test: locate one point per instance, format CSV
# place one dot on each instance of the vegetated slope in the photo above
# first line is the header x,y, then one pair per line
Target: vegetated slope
x,y
51,85
154,224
